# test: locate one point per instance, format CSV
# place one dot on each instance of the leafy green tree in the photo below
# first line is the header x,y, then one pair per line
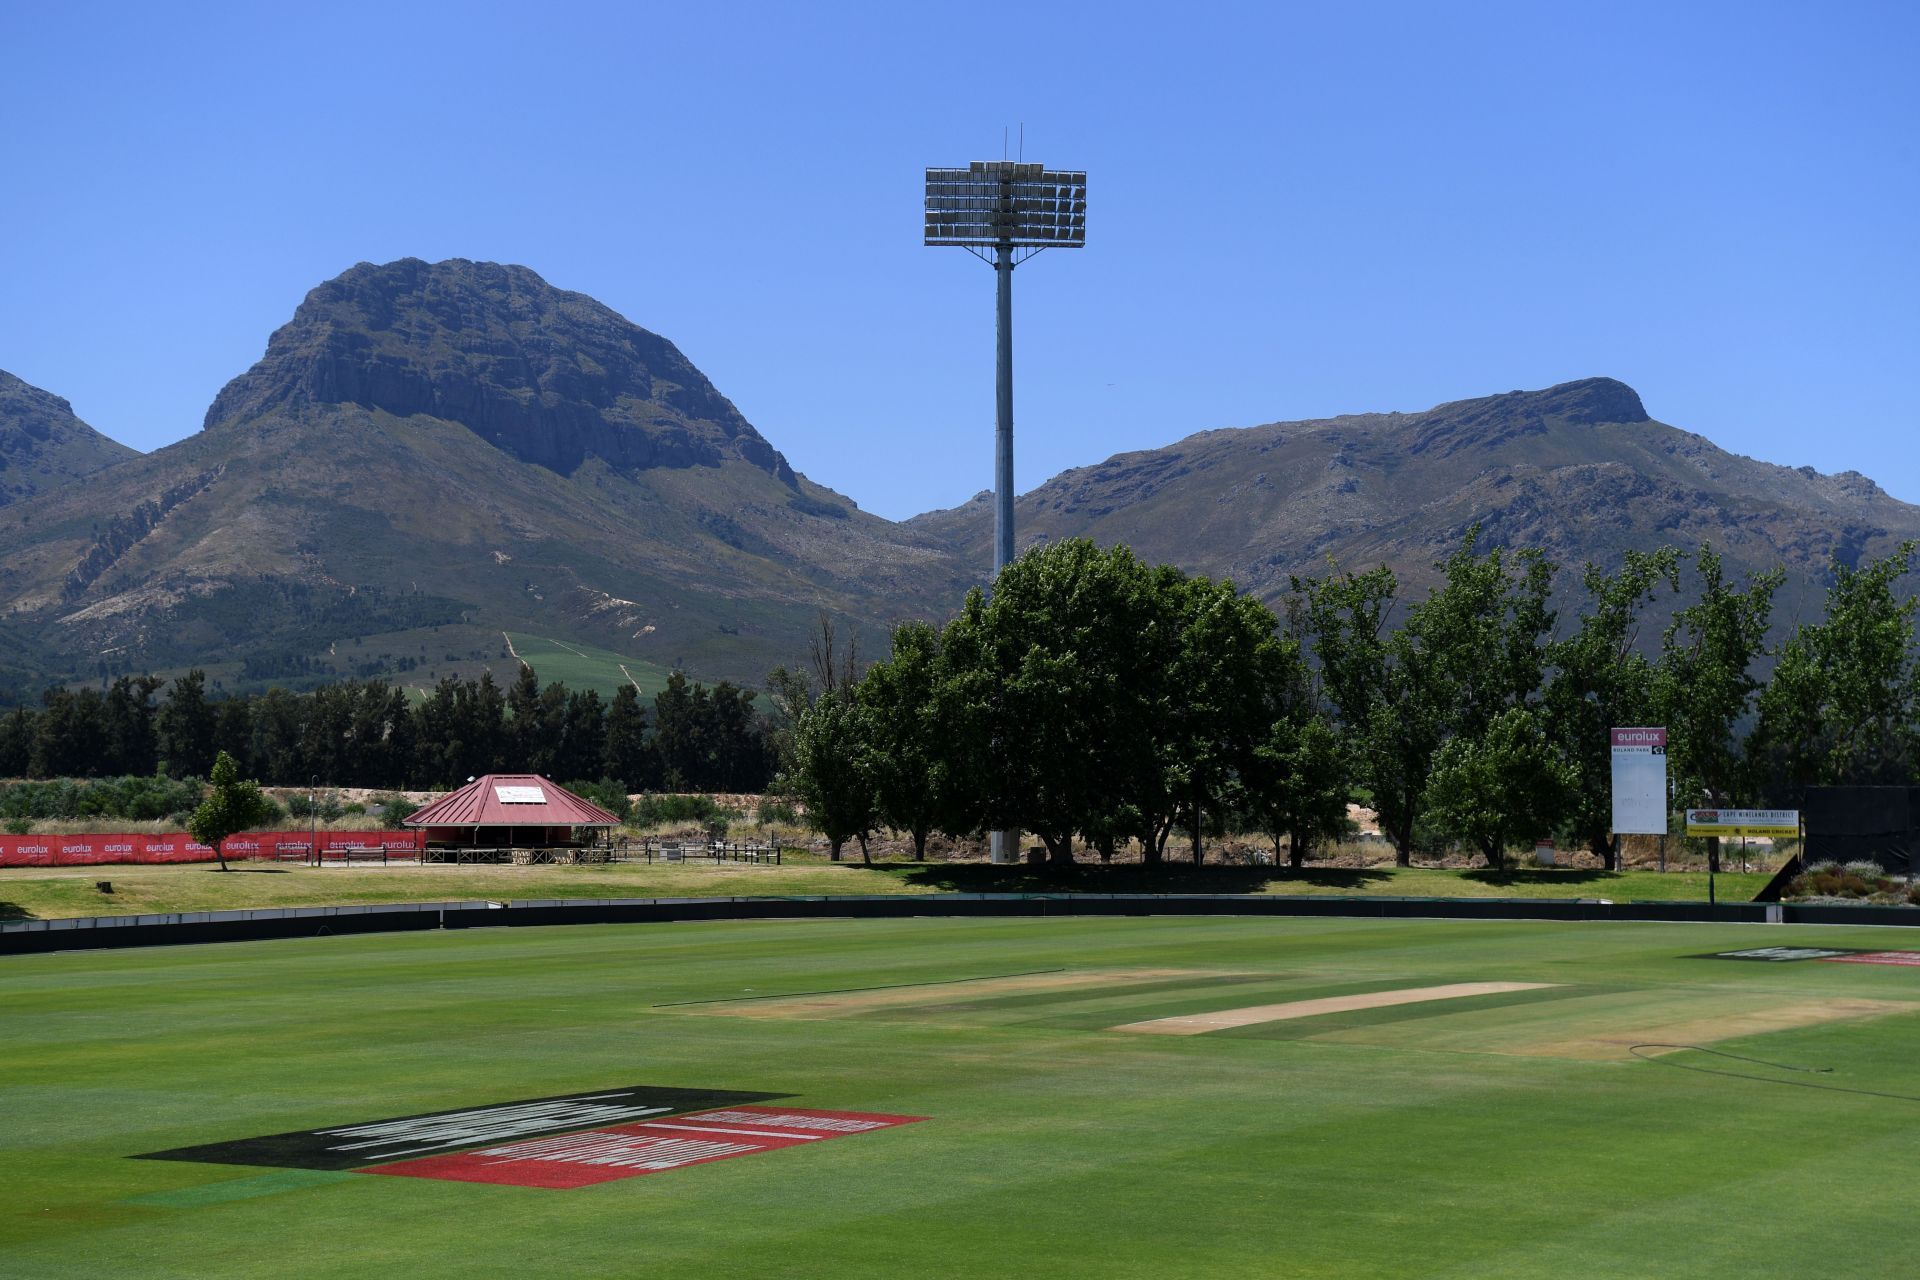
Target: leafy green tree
x,y
185,727
1213,720
1299,785
231,805
1601,681
833,771
1503,785
1475,648
1841,703
909,743
1704,685
627,756
1047,693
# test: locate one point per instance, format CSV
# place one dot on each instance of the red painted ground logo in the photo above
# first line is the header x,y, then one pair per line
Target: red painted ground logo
x,y
655,1146
1907,958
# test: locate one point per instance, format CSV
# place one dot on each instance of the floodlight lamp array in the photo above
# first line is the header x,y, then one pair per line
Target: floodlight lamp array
x,y
1007,203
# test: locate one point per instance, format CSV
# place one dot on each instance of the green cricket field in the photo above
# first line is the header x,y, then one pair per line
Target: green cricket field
x,y
1090,1097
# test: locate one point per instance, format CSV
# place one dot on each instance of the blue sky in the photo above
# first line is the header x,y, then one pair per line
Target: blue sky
x,y
1296,210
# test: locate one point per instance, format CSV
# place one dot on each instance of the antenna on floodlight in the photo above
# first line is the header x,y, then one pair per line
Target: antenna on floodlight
x,y
1003,214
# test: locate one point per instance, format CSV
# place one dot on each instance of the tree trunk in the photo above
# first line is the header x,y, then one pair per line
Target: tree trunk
x,y
1105,845
1199,821
866,856
833,850
1605,846
1296,851
919,844
1495,852
220,853
1061,854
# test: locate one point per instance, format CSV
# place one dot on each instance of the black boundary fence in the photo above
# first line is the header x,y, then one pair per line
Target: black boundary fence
x,y
100,932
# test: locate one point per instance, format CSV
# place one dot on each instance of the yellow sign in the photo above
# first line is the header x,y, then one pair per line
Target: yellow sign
x,y
1744,822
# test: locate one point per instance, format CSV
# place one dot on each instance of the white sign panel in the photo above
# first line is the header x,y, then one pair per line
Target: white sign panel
x,y
520,795
1640,782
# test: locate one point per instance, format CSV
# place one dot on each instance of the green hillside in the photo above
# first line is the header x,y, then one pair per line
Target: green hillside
x,y
580,666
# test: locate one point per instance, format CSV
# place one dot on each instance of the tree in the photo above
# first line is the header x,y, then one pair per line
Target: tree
x,y
1049,688
185,727
232,805
627,755
1502,785
1703,684
833,775
1602,681
909,744
1299,785
1840,705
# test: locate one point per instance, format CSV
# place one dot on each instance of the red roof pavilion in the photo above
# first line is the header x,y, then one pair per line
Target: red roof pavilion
x,y
509,809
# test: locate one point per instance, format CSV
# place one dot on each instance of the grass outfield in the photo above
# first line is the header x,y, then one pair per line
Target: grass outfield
x,y
1507,1131
69,891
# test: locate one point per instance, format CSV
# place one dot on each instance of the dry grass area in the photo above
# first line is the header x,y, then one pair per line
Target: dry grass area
x,y
835,1004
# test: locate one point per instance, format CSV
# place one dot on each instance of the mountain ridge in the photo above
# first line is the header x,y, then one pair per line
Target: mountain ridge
x,y
427,454
44,445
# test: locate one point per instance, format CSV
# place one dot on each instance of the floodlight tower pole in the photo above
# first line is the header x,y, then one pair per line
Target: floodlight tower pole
x,y
1014,209
1003,411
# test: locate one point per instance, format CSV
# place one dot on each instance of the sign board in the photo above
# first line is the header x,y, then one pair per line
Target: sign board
x,y
1743,822
1640,782
520,795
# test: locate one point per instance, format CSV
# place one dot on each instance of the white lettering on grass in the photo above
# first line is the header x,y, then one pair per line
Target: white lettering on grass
x,y
483,1124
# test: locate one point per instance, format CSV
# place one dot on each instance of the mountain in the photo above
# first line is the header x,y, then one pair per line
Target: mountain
x,y
430,454
42,445
1579,470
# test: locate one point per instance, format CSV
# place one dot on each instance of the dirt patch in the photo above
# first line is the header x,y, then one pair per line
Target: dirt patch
x,y
1200,1023
1673,1037
840,1003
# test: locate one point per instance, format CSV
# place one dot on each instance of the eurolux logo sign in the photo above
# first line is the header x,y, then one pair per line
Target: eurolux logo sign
x,y
1640,782
573,1140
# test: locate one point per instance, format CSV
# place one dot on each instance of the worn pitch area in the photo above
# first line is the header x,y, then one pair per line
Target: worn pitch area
x,y
836,1004
1223,1019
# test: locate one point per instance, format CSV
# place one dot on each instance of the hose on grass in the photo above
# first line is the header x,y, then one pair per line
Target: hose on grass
x,y
1742,1075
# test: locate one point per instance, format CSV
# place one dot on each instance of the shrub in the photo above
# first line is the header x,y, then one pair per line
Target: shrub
x,y
396,809
607,793
778,812
326,807
656,810
1864,868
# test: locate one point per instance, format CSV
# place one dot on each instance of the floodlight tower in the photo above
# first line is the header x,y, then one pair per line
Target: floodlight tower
x,y
1015,210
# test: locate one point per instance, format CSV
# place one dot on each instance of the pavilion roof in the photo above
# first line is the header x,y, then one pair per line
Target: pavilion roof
x,y
512,800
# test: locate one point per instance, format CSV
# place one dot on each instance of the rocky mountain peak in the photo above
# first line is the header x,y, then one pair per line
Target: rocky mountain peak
x,y
549,376
42,443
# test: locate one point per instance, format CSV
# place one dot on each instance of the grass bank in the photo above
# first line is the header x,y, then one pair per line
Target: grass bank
x,y
65,892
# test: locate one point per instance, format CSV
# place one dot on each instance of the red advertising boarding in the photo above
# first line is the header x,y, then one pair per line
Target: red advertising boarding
x,y
139,847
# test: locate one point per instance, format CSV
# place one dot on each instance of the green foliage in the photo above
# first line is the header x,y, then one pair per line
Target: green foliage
x,y
777,812
833,770
232,804
660,810
608,793
1501,786
1842,702
128,799
1600,680
395,809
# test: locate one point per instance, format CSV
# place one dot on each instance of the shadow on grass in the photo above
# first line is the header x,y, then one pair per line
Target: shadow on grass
x,y
14,911
1539,875
974,877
